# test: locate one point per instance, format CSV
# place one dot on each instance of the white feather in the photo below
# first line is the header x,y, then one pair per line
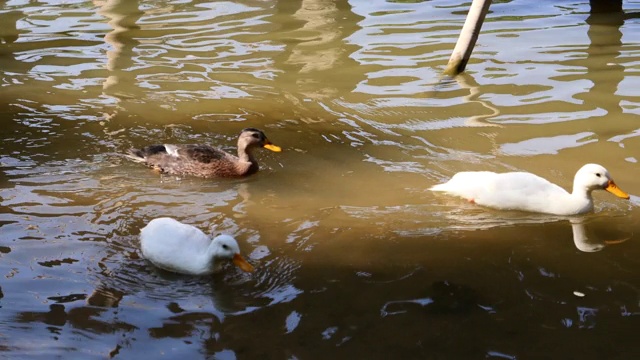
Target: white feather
x,y
174,246
529,192
171,150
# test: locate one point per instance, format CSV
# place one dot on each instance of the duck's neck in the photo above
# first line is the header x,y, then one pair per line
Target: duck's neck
x,y
246,156
206,259
582,198
200,264
581,191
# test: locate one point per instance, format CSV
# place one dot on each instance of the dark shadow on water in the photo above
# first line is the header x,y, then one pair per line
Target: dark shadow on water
x,y
494,291
442,298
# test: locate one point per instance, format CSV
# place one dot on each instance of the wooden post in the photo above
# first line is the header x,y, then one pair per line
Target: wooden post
x,y
605,6
468,37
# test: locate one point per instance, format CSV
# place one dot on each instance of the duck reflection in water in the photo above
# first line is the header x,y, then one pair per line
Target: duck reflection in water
x,y
588,241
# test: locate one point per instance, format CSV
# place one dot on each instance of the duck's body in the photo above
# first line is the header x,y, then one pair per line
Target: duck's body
x,y
204,160
174,246
528,192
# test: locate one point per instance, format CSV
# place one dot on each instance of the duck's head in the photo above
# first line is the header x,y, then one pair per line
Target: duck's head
x,y
226,247
251,137
594,177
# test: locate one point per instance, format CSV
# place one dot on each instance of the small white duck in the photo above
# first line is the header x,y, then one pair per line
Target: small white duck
x,y
529,192
174,246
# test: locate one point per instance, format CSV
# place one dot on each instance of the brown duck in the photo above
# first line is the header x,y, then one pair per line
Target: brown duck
x,y
204,160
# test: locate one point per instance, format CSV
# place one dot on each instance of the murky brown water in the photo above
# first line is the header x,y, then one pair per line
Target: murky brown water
x,y
354,257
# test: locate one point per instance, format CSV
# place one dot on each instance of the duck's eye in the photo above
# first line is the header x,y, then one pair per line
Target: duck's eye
x,y
255,135
225,246
598,174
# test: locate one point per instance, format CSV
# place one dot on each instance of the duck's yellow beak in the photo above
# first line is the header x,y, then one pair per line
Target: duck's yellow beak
x,y
268,145
615,190
240,262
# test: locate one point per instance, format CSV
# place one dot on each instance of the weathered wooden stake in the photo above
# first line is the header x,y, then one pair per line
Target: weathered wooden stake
x,y
473,24
468,37
605,6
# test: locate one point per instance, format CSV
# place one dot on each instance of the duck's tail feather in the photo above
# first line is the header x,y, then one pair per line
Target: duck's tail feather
x,y
141,155
439,187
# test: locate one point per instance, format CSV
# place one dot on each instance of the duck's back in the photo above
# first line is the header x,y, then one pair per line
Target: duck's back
x,y
170,244
198,160
508,191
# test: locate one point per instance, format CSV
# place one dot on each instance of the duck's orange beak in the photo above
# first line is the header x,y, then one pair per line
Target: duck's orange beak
x,y
615,190
240,262
269,146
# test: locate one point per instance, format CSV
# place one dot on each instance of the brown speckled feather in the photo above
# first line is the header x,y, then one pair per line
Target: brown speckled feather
x,y
204,160
198,160
202,153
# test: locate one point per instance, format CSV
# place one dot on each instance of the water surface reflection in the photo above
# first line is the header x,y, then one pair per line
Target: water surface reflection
x,y
354,256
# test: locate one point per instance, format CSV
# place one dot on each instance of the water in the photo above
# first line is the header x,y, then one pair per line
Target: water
x,y
354,257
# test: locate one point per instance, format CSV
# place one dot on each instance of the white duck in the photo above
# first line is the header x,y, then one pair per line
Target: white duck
x,y
174,246
529,192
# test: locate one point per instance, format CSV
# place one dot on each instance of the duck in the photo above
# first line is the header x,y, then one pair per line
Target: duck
x,y
529,192
204,160
180,248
